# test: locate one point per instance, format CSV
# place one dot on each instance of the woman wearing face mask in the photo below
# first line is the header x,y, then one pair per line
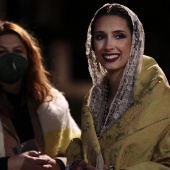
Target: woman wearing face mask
x,y
35,121
126,115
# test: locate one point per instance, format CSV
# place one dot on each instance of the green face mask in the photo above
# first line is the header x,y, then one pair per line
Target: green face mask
x,y
12,68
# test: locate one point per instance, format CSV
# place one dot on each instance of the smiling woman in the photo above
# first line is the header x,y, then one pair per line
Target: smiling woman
x,y
112,41
128,102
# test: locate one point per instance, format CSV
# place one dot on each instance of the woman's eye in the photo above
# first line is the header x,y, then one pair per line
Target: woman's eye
x,y
99,36
120,36
18,51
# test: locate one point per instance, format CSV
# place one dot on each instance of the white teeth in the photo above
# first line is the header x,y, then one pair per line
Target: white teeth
x,y
110,56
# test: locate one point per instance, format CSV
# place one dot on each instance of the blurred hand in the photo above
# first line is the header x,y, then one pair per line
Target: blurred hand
x,y
52,162
31,160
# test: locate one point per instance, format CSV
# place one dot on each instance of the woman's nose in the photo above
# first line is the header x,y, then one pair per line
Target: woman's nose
x,y
109,44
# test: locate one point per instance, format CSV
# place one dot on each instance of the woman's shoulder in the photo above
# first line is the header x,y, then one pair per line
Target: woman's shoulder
x,y
58,96
55,104
148,59
150,62
55,100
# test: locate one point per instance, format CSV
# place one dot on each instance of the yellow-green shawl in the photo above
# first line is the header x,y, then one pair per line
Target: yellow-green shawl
x,y
140,138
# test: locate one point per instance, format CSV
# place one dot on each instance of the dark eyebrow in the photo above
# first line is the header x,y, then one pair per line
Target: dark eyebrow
x,y
116,31
96,32
19,46
119,31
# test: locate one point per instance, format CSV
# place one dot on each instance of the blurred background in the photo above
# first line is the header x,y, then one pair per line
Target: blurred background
x,y
61,27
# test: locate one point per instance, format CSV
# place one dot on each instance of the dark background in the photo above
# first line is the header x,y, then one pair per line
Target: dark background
x,y
69,19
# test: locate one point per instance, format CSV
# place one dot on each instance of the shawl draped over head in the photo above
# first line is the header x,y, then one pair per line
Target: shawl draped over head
x,y
138,112
124,96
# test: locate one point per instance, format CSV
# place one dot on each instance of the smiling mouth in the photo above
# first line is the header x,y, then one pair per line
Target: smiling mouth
x,y
110,58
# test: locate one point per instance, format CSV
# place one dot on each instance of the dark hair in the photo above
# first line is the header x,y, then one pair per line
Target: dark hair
x,y
112,10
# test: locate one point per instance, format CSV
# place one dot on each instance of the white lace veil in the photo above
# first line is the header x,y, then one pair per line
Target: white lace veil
x,y
124,97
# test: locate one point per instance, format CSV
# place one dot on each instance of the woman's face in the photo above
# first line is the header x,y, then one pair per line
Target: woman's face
x,y
112,42
11,43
